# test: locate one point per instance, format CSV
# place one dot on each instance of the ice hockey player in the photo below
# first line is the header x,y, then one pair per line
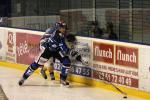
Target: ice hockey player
x,y
52,44
73,54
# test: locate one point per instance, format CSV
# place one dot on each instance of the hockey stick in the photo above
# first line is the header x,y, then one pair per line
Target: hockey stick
x,y
118,89
108,82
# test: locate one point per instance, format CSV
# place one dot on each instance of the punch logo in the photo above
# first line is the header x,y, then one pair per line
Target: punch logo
x,y
10,42
127,56
103,52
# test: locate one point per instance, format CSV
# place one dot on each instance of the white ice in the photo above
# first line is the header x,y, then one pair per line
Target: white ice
x,y
36,88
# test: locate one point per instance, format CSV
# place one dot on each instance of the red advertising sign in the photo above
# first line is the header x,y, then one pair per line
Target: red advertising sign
x,y
103,52
127,56
123,80
27,47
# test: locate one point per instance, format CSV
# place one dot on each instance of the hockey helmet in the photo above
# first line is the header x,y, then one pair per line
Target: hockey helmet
x,y
61,25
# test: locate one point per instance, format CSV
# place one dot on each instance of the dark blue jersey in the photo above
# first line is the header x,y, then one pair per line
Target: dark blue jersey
x,y
54,40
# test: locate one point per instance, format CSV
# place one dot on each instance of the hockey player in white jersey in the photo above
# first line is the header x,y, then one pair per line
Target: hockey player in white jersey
x,y
52,45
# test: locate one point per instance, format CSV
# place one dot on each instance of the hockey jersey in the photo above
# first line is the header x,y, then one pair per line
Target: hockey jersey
x,y
54,40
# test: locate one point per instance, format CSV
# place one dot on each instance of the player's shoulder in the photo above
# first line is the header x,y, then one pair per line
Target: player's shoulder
x,y
50,30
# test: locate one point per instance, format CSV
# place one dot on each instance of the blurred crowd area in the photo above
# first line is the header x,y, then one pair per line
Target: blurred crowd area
x,y
123,20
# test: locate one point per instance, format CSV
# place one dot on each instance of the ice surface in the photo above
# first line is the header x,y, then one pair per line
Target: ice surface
x,y
36,88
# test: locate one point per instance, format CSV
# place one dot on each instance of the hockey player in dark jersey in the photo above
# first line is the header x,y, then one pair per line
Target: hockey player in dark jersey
x,y
73,54
52,44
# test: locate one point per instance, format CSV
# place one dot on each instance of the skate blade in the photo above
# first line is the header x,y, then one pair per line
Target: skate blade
x,y
65,86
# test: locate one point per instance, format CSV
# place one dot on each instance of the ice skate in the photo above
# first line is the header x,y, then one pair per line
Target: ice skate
x,y
21,82
64,83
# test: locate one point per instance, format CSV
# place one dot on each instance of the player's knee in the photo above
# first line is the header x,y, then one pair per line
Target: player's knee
x,y
34,66
66,61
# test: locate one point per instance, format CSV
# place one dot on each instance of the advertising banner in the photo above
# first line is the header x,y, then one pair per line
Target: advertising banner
x,y
77,70
27,47
83,46
2,45
114,63
144,69
103,52
10,48
127,56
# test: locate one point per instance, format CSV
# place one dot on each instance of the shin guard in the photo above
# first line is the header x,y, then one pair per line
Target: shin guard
x,y
30,70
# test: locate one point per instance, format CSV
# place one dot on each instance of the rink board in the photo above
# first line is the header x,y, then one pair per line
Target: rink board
x,y
124,64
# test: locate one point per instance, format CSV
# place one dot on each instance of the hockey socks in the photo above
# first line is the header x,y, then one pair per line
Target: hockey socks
x,y
63,76
52,75
43,73
28,72
63,81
